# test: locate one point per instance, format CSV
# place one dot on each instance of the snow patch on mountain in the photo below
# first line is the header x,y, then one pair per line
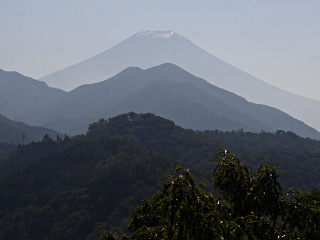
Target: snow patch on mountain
x,y
156,34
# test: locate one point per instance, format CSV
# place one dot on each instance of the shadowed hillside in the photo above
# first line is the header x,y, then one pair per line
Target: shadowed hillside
x,y
21,133
169,91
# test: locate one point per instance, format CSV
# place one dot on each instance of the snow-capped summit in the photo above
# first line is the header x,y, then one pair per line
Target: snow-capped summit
x,y
157,34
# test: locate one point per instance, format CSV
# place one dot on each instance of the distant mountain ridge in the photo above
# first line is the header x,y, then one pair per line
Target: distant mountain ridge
x,y
20,95
21,133
171,92
166,90
151,48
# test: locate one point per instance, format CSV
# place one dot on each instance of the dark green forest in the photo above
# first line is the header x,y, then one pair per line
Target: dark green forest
x,y
6,147
85,186
244,205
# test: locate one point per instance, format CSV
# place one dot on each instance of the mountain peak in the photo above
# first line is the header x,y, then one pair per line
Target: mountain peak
x,y
157,34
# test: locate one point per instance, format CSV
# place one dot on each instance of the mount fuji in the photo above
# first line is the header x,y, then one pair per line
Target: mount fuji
x,y
151,48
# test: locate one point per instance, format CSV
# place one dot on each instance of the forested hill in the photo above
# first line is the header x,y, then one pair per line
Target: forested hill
x,y
79,192
149,127
77,188
298,158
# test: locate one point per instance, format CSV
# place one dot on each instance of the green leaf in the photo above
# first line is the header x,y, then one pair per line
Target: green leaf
x,y
180,167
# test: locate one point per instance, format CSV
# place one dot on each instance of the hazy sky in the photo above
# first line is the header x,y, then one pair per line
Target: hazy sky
x,y
277,41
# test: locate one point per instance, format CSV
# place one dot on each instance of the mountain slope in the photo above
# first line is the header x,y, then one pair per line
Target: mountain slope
x,y
147,49
18,132
171,92
20,95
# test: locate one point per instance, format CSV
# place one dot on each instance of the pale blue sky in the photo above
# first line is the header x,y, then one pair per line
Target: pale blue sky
x,y
277,41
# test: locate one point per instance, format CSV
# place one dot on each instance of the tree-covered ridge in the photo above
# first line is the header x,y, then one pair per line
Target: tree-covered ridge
x,y
132,123
244,205
280,140
32,152
298,158
157,134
